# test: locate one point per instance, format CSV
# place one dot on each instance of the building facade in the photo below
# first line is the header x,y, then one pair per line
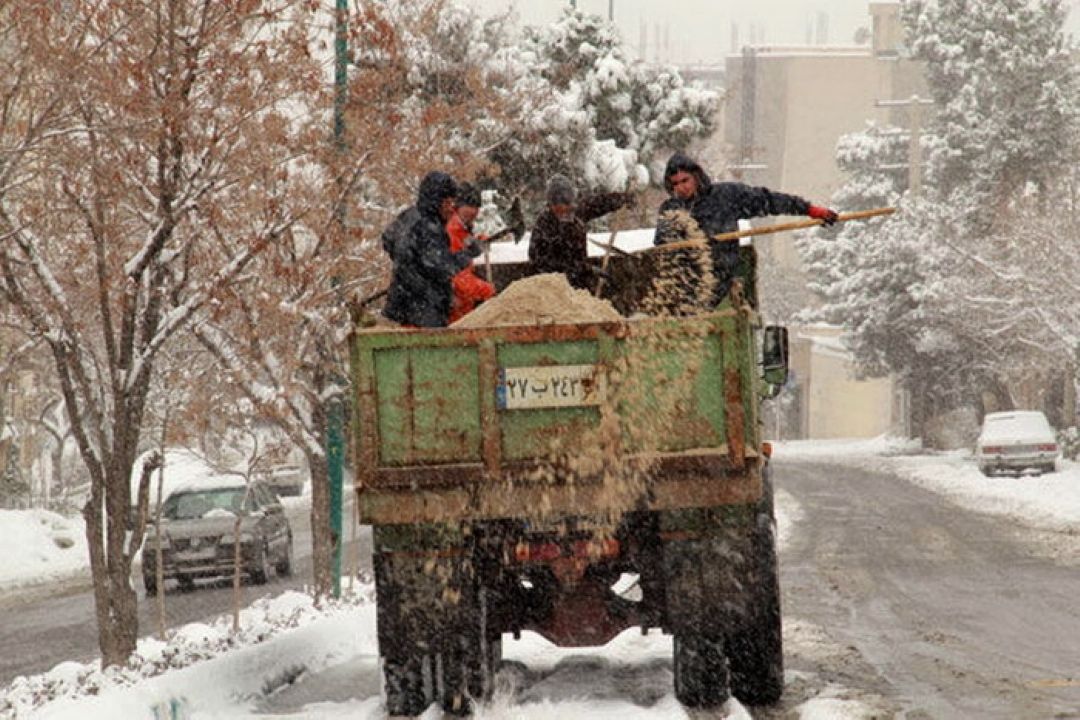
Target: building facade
x,y
785,110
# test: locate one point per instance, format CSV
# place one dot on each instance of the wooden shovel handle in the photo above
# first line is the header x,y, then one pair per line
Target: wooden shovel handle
x,y
769,229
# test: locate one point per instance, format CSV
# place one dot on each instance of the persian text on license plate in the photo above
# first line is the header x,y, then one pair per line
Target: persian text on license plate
x,y
550,386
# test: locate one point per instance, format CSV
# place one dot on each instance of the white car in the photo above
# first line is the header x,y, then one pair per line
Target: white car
x,y
1015,441
286,479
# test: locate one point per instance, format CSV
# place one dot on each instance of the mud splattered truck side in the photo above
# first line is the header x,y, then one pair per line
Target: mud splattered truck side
x,y
573,480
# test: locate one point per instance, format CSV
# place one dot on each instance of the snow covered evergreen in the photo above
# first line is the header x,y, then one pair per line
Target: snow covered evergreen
x,y
943,293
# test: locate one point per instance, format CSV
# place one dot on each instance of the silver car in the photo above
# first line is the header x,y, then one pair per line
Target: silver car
x,y
199,530
1015,441
286,479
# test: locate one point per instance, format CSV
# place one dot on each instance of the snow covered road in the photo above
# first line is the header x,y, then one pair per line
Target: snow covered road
x,y
912,588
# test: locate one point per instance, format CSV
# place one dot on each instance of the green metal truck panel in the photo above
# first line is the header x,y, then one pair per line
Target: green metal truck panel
x,y
438,432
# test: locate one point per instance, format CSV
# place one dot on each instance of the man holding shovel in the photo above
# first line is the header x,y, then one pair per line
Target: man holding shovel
x,y
559,240
700,208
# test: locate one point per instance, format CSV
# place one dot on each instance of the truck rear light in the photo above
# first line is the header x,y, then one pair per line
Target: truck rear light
x,y
596,548
536,552
1048,447
525,552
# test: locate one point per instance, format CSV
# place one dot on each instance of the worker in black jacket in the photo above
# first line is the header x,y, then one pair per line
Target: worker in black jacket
x,y
698,207
420,291
559,240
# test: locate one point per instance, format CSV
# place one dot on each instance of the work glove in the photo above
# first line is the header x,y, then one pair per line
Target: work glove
x,y
473,248
824,214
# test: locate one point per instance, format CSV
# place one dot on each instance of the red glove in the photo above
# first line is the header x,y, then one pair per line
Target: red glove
x,y
824,214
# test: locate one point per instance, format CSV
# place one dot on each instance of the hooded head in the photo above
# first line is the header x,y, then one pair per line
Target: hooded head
x,y
682,163
435,189
560,191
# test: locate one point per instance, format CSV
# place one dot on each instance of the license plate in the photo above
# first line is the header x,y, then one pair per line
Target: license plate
x,y
550,386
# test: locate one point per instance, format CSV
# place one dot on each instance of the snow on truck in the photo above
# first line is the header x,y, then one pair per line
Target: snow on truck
x,y
574,479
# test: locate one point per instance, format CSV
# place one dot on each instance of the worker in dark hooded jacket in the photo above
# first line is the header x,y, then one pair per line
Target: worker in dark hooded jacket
x,y
420,287
559,240
717,207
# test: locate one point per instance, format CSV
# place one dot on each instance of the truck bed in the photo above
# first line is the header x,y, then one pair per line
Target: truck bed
x,y
507,422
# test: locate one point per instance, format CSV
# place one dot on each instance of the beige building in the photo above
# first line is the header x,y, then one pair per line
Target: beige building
x,y
785,109
828,400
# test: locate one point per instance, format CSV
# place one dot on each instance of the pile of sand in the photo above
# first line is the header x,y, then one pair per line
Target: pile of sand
x,y
540,300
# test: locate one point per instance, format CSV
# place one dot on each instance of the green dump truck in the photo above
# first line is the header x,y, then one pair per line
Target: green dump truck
x,y
573,480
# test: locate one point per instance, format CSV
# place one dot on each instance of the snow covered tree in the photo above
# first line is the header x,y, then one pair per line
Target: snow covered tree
x,y
874,164
1005,135
553,102
642,108
1004,86
149,157
933,294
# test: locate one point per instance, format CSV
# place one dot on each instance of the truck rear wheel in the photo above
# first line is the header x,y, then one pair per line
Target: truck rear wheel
x,y
755,646
696,573
701,671
433,635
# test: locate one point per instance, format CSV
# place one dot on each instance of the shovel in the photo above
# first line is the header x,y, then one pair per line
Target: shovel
x,y
516,227
768,229
609,248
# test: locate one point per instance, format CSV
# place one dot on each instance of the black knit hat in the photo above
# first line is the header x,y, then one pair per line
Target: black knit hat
x,y
468,196
560,191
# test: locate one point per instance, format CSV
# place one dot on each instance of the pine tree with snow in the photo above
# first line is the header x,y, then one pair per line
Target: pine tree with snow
x,y
1005,92
933,294
874,162
636,107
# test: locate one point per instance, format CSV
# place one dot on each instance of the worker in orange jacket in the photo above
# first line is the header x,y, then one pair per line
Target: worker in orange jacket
x,y
469,288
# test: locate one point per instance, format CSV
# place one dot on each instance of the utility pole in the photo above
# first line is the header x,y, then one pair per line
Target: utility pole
x,y
611,10
335,415
915,120
903,397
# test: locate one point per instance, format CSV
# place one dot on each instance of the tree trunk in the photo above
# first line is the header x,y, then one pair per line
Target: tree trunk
x,y
107,516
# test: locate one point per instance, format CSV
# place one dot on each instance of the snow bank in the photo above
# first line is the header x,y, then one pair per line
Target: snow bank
x,y
41,547
1046,502
206,670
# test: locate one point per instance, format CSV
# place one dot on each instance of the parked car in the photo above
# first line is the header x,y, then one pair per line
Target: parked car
x,y
198,532
1015,441
286,479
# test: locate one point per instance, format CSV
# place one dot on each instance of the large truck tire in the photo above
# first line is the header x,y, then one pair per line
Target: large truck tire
x,y
433,636
701,671
755,646
695,576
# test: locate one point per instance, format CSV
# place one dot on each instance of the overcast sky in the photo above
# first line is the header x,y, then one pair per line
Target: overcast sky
x,y
701,30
